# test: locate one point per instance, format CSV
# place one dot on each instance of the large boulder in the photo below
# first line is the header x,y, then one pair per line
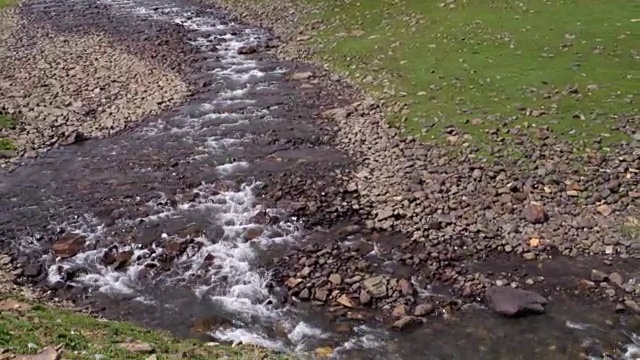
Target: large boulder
x,y
514,302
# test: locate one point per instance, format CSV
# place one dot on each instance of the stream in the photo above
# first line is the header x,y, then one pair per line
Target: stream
x,y
196,243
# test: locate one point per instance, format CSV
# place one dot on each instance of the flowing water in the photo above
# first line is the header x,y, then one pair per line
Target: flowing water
x,y
199,243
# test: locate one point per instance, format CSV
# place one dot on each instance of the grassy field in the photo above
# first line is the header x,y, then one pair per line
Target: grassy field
x,y
27,328
573,65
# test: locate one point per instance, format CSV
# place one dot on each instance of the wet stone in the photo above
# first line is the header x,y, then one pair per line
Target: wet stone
x,y
598,276
514,302
69,244
406,322
423,310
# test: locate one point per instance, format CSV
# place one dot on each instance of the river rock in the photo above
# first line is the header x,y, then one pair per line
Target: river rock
x,y
616,278
514,302
69,244
335,279
598,276
423,310
535,213
632,305
405,287
345,301
321,295
406,322
376,286
399,311
365,297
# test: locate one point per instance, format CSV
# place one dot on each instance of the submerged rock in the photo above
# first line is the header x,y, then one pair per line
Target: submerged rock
x,y
514,302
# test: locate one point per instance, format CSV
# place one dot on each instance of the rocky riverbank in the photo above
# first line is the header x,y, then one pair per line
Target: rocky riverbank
x,y
46,94
456,208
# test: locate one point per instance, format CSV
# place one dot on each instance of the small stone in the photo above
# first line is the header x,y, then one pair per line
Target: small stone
x,y
353,280
529,256
406,322
535,213
32,270
304,294
405,287
365,297
301,76
423,310
632,305
5,260
292,282
604,210
585,284
399,311
345,301
321,295
598,276
137,347
616,278
335,279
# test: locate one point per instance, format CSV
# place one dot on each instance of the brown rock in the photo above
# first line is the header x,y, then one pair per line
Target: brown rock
x,y
321,295
585,284
292,282
176,247
247,50
345,301
406,323
423,310
535,213
122,260
604,210
69,244
253,233
616,278
399,311
405,287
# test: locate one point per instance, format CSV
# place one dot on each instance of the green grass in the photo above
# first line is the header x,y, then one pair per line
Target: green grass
x,y
5,3
6,122
479,65
27,330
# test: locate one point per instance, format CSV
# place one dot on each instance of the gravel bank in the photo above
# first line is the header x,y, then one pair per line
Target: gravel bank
x,y
64,88
454,207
